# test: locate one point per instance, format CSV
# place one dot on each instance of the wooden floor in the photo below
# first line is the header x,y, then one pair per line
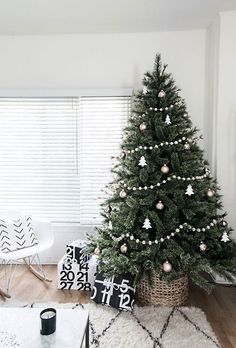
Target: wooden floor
x,y
220,306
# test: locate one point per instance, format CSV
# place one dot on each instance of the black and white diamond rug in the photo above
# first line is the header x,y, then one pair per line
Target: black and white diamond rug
x,y
146,327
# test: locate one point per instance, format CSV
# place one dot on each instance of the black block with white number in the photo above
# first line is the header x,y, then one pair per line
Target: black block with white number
x,y
76,276
76,252
117,292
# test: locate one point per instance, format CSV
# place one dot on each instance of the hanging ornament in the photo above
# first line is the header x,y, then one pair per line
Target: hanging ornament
x,y
168,121
97,251
123,194
161,94
186,146
107,209
147,224
224,223
202,246
225,237
142,126
110,225
167,267
160,205
210,192
142,162
123,154
124,248
145,90
189,190
185,114
165,169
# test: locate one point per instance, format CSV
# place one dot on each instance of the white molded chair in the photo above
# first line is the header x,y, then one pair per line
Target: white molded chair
x,y
28,256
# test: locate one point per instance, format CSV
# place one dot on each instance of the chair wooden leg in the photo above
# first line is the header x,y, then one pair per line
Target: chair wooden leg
x,y
38,273
4,294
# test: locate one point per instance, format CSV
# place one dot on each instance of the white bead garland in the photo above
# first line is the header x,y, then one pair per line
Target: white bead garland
x,y
156,146
156,109
168,237
170,178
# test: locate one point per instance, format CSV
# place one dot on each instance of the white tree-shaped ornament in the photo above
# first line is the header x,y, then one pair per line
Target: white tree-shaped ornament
x,y
110,225
189,190
142,162
168,121
225,237
147,224
145,90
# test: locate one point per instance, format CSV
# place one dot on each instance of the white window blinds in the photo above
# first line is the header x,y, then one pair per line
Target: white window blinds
x,y
55,154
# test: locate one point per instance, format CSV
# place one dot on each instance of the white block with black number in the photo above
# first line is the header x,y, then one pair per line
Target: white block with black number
x,y
76,252
117,292
75,276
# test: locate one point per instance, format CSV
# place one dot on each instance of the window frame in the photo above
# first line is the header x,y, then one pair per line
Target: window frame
x,y
57,93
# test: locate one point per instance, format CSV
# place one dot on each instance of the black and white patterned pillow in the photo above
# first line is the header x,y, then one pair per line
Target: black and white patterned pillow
x,y
16,234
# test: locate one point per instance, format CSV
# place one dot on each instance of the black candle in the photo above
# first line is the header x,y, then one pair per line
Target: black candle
x,y
48,321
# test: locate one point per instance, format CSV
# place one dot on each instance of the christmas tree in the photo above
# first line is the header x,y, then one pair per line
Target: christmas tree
x,y
162,210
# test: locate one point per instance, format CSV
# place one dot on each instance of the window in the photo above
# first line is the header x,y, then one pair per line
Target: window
x,y
55,154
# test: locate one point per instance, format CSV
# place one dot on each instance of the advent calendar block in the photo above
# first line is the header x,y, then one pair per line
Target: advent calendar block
x,y
76,276
75,252
117,292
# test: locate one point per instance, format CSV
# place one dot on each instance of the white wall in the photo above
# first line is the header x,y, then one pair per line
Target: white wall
x,y
104,61
226,114
212,70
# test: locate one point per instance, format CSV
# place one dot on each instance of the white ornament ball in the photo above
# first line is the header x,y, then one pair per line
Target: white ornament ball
x,y
202,246
143,126
161,94
187,146
123,194
97,251
160,205
124,248
167,267
210,193
165,169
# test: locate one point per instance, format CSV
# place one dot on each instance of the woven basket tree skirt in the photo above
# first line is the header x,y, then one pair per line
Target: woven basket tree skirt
x,y
160,292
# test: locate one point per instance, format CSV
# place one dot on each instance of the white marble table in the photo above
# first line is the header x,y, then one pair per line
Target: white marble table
x,y
20,327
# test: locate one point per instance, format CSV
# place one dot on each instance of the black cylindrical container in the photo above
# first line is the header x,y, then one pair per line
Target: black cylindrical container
x,y
48,321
